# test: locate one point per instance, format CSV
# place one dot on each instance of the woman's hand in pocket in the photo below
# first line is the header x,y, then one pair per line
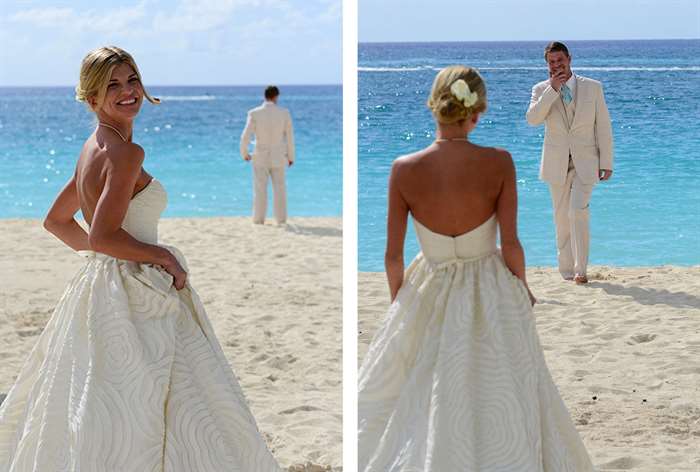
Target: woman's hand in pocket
x,y
174,268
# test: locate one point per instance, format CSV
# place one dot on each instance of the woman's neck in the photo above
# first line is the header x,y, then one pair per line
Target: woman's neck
x,y
125,127
451,132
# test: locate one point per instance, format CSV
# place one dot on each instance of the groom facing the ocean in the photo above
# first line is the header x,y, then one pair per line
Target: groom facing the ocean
x,y
576,154
274,150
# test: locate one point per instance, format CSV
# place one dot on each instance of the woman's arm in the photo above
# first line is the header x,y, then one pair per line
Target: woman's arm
x,y
396,233
507,214
106,234
60,220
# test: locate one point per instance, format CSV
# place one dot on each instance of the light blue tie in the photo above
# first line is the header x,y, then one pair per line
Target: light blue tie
x,y
566,94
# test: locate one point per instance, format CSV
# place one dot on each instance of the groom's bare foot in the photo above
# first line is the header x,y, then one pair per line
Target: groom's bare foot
x,y
569,277
581,279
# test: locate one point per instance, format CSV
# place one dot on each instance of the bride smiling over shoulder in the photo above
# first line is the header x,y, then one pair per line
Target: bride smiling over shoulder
x,y
109,172
128,374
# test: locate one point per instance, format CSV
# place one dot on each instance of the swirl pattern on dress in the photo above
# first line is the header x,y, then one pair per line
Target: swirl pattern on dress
x,y
455,377
128,375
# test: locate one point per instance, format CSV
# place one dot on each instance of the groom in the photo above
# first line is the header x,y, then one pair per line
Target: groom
x,y
577,152
274,149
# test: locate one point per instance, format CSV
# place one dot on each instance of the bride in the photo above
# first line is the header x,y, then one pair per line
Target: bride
x,y
455,378
128,374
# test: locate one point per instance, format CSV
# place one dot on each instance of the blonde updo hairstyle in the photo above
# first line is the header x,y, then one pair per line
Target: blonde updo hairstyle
x,y
96,71
446,107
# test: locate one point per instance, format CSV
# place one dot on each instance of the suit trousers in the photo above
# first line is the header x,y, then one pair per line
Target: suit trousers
x,y
261,174
571,219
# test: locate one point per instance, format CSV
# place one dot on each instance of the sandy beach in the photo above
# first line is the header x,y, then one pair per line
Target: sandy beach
x,y
624,352
272,293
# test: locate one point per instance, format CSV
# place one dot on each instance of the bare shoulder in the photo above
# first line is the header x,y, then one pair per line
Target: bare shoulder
x,y
495,153
505,161
125,158
502,155
398,167
408,161
499,157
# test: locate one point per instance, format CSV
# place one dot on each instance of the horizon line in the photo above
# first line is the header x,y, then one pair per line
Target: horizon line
x,y
522,40
183,85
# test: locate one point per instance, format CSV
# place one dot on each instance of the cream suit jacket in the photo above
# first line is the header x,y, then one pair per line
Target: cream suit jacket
x,y
274,138
588,140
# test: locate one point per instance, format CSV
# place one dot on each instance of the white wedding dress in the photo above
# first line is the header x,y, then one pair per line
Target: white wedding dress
x,y
128,376
455,378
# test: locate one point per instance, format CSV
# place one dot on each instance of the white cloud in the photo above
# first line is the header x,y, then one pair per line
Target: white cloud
x,y
211,39
186,17
333,11
199,15
44,16
114,20
193,15
291,22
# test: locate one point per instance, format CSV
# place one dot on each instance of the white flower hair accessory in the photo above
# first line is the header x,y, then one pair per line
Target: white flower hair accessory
x,y
460,89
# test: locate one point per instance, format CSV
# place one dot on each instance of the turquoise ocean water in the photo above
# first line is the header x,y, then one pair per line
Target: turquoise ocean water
x,y
648,214
191,142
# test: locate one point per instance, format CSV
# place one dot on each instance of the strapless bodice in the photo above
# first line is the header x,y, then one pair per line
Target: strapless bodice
x,y
145,208
441,249
456,375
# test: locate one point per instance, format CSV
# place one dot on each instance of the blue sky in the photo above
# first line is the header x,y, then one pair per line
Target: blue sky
x,y
175,42
523,20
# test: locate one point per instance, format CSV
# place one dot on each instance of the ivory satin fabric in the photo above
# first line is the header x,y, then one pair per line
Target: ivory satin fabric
x,y
128,376
455,378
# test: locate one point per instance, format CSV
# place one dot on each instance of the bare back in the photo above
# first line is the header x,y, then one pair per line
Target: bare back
x,y
452,187
99,154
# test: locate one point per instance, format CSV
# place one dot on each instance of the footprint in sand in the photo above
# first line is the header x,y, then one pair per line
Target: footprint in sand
x,y
622,463
641,338
687,370
676,430
299,408
28,332
584,419
633,432
281,362
605,359
309,467
587,328
601,276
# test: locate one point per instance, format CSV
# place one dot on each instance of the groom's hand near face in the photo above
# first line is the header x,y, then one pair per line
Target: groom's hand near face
x,y
557,79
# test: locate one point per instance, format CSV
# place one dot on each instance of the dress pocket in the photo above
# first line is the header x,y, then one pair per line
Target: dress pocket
x,y
153,277
520,285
